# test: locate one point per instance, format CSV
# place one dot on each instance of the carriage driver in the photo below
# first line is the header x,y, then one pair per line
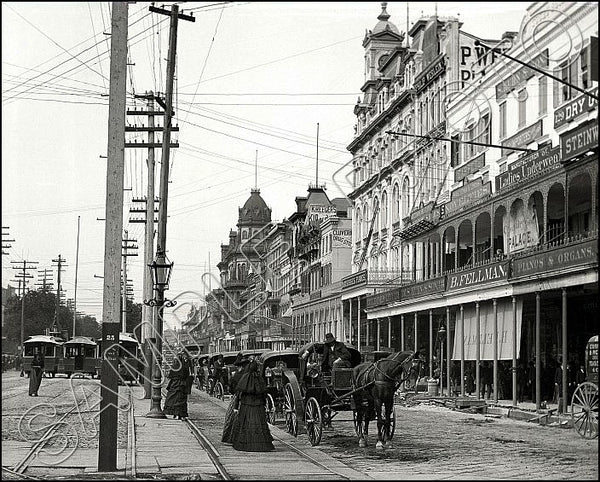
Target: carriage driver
x,y
335,354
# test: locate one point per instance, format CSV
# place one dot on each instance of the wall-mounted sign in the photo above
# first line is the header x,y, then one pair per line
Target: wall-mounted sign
x,y
520,76
520,227
475,59
579,140
529,166
315,295
429,75
522,138
341,238
356,279
466,195
556,259
383,298
431,286
470,167
574,108
316,214
478,276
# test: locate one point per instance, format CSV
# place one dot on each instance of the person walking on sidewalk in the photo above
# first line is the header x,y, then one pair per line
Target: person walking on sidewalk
x,y
241,362
36,373
251,432
177,393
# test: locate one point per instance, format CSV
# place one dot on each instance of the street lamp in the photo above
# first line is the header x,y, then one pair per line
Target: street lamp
x,y
160,269
442,333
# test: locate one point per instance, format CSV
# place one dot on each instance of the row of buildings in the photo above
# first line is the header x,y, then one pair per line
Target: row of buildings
x,y
471,231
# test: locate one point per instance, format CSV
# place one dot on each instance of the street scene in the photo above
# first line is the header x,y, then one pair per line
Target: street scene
x,y
300,240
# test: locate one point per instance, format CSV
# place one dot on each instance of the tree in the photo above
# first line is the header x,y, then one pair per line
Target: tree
x,y
39,312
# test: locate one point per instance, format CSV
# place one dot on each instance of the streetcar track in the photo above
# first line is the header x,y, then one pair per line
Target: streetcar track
x,y
39,444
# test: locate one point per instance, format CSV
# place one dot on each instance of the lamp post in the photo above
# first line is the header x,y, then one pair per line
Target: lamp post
x,y
160,270
442,333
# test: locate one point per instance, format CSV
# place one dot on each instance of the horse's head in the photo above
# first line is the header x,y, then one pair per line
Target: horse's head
x,y
410,366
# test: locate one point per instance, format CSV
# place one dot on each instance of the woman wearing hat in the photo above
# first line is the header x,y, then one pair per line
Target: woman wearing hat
x,y
251,432
241,362
176,400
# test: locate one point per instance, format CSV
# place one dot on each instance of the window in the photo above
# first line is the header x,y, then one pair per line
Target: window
x,y
543,93
484,132
502,123
522,99
470,134
455,158
583,61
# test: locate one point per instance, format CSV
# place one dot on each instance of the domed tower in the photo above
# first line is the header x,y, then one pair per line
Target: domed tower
x,y
379,43
253,216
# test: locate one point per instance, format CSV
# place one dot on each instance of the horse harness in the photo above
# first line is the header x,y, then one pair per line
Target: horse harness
x,y
375,367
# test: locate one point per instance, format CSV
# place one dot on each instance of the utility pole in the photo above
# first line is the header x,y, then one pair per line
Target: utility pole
x,y
148,312
161,249
76,269
22,277
113,235
125,254
46,276
59,269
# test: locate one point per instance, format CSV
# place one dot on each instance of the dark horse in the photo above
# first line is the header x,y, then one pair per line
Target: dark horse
x,y
375,384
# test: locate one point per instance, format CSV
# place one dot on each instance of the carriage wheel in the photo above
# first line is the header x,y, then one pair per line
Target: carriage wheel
x,y
584,410
270,408
289,409
219,392
313,421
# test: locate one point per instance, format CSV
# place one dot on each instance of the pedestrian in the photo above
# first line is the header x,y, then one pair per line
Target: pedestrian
x,y
217,372
177,388
36,373
241,362
251,432
485,380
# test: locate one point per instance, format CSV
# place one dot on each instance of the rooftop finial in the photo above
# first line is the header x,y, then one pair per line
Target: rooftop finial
x,y
383,15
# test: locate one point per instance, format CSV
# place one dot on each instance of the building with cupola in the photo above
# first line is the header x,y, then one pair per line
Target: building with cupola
x,y
228,304
475,201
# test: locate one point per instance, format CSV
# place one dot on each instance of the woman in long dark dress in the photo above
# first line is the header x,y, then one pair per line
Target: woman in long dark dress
x,y
35,375
251,432
230,415
177,393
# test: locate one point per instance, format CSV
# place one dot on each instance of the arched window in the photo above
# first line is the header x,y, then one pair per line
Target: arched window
x,y
384,211
395,203
405,198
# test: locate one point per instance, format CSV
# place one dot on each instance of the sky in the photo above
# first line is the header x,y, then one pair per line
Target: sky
x,y
253,80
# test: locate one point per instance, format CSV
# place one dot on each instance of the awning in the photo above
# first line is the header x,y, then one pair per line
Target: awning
x,y
506,328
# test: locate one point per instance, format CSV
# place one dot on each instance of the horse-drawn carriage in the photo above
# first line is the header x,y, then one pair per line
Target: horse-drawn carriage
x,y
584,404
277,368
367,389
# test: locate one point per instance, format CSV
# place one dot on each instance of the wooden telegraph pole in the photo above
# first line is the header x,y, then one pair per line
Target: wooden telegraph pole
x,y
107,450
155,408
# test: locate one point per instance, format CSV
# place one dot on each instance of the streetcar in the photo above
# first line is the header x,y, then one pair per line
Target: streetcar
x,y
80,356
49,346
131,361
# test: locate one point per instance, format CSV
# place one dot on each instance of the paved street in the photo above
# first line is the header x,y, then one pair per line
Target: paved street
x,y
430,442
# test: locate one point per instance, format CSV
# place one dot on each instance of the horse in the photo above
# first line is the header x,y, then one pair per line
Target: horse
x,y
374,385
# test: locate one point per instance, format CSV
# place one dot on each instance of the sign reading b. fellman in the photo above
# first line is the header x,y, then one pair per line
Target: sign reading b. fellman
x,y
478,276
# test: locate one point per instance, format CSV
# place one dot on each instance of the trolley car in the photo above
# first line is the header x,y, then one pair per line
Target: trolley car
x,y
130,364
80,355
584,404
49,346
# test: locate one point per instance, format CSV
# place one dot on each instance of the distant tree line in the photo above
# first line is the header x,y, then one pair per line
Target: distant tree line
x,y
40,306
